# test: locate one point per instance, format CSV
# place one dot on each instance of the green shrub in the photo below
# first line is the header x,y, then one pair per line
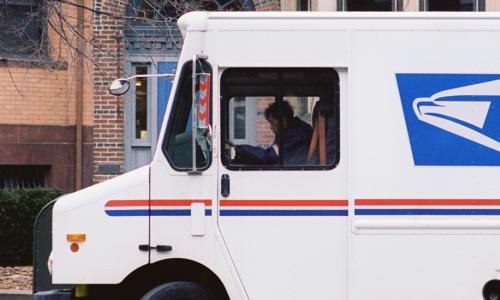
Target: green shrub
x,y
18,211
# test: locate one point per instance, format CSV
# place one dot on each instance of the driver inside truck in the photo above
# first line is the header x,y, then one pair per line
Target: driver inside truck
x,y
291,132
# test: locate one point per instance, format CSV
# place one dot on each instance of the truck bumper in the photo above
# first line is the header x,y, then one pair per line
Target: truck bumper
x,y
52,295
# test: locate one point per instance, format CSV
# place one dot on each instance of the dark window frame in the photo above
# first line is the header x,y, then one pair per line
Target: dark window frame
x,y
147,112
40,24
224,127
13,177
303,5
343,5
477,5
186,71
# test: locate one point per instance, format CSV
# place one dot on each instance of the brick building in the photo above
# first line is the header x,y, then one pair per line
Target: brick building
x,y
58,124
46,113
126,128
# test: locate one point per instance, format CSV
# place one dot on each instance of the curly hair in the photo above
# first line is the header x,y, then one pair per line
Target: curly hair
x,y
279,110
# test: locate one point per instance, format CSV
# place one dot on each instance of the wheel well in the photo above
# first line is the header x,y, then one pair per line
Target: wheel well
x,y
139,282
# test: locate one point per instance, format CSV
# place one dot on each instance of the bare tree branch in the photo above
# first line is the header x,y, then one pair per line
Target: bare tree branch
x,y
25,29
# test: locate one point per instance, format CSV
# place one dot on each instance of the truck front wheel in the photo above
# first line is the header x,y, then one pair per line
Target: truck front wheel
x,y
178,291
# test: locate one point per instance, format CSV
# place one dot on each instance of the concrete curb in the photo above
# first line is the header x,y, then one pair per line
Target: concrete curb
x,y
16,295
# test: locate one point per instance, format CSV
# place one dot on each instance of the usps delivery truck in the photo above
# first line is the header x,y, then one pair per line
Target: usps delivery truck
x,y
307,156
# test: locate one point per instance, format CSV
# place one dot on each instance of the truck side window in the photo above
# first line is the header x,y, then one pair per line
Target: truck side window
x,y
280,118
177,145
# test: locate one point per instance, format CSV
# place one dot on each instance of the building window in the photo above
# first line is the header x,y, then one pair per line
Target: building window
x,y
368,5
23,177
141,104
280,118
303,5
452,5
171,10
238,120
21,29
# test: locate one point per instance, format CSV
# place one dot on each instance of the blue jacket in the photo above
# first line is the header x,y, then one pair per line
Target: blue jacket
x,y
296,140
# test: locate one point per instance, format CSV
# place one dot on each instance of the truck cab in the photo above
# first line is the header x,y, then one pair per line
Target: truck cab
x,y
292,166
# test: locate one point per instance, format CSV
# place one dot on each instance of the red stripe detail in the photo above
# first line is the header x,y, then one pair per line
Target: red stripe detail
x,y
423,202
117,203
157,202
283,203
179,202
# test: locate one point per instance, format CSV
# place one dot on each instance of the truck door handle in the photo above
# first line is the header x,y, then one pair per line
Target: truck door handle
x,y
159,248
225,185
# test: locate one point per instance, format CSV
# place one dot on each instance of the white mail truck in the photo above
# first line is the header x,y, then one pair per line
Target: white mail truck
x,y
344,156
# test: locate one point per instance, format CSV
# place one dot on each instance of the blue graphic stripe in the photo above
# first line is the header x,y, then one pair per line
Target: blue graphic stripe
x,y
128,213
428,212
284,212
156,212
171,212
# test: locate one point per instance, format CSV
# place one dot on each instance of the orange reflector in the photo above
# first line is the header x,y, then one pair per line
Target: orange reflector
x,y
73,237
74,247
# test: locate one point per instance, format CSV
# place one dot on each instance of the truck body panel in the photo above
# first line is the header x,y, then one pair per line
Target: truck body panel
x,y
409,209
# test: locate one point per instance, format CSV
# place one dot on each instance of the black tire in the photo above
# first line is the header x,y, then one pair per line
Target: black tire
x,y
178,290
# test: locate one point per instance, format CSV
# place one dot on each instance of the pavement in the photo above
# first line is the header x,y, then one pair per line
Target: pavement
x,y
15,282
16,295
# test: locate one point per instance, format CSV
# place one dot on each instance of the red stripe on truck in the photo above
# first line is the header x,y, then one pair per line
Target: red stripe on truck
x,y
283,203
157,202
423,202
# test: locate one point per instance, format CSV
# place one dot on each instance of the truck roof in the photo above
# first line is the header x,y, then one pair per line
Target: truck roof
x,y
198,21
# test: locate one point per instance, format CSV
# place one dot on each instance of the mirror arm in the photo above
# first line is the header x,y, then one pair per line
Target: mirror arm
x,y
171,75
121,86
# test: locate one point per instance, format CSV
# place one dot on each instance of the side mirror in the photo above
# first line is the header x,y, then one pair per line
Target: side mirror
x,y
119,87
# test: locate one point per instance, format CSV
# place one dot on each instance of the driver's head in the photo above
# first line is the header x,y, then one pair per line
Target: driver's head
x,y
279,111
